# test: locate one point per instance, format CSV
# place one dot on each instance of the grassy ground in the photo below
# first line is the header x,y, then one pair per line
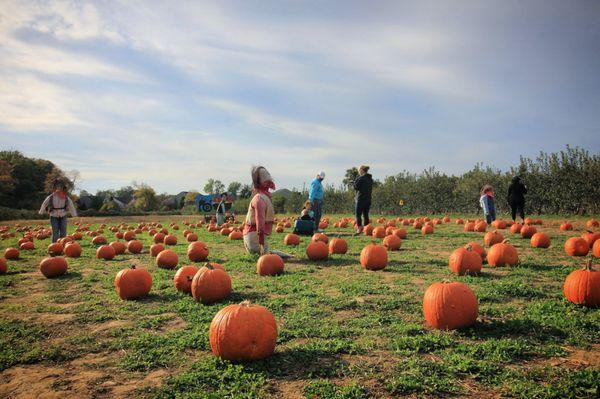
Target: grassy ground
x,y
343,332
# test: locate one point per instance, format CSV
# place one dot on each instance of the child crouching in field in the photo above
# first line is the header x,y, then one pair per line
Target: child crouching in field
x,y
488,203
307,212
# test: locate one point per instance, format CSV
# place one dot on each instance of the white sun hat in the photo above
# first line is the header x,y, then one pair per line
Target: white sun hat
x,y
321,174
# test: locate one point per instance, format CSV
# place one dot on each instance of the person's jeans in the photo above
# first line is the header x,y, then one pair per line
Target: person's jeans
x,y
362,212
517,207
317,206
490,217
59,227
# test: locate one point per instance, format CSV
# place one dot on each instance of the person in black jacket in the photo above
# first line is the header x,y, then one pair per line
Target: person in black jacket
x,y
363,186
516,197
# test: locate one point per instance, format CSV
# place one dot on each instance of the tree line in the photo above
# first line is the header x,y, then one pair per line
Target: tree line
x,y
565,182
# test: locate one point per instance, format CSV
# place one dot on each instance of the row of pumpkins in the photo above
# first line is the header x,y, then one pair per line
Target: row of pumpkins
x,y
248,331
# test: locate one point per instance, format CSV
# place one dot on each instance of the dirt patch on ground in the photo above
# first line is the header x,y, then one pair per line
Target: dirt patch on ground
x,y
346,314
580,357
110,325
176,323
93,375
288,389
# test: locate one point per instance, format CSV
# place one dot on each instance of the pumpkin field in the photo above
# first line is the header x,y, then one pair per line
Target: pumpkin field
x,y
351,325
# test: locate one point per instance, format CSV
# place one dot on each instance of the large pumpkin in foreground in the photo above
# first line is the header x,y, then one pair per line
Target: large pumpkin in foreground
x,y
583,286
53,266
450,305
243,332
133,283
374,257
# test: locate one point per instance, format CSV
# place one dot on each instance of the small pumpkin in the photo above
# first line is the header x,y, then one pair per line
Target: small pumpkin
x,y
427,229
243,332
191,237
105,252
158,238
26,246
53,266
3,266
170,240
167,259
502,254
576,246
566,226
269,265
320,237
590,237
528,231
516,228
236,235
129,235
338,246
374,257
291,239
469,226
481,226
378,232
210,284
99,240
119,247
596,249
492,237
135,246
183,278
582,287
72,250
197,251
465,261
155,249
592,223
400,233
133,283
450,305
317,250
540,240
392,242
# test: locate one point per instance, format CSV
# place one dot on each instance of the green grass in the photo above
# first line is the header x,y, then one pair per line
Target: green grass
x,y
343,332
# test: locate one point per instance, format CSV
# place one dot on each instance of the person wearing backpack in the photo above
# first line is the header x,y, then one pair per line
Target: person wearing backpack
x,y
57,205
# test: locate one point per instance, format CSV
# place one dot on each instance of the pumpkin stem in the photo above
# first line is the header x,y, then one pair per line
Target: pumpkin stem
x,y
506,241
209,266
469,247
246,303
588,265
189,278
133,267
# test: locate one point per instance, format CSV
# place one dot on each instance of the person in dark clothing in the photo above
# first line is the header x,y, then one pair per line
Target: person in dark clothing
x,y
363,186
516,198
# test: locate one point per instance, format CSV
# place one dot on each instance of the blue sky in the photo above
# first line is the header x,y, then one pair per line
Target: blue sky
x,y
173,94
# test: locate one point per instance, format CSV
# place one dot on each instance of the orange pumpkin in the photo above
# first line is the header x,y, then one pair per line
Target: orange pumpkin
x,y
492,237
320,237
167,259
53,266
590,237
291,239
197,251
158,238
243,332
72,250
502,254
183,278
210,284
596,249
378,232
460,221
236,235
450,305
540,240
317,250
269,265
374,257
566,226
191,237
133,283
155,249
582,287
469,226
99,240
105,252
392,242
118,246
427,229
338,246
170,240
3,266
400,233
135,246
465,261
368,230
528,231
516,228
481,226
592,223
576,246
129,235
27,246
499,224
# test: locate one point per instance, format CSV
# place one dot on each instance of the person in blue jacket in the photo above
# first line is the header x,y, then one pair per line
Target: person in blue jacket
x,y
488,203
315,195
